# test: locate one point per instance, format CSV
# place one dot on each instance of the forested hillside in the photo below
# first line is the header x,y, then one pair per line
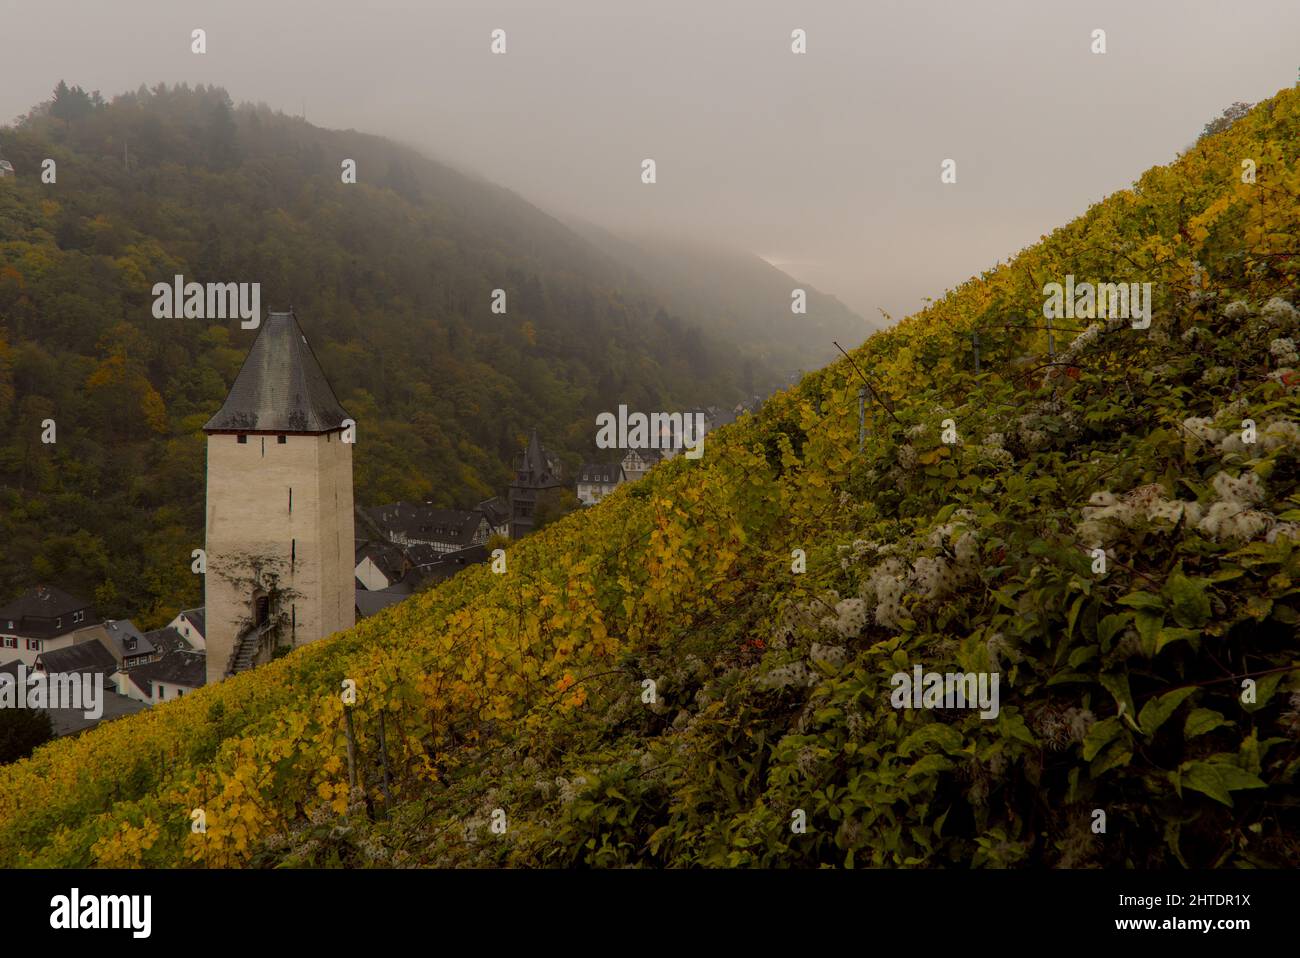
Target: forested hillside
x,y
392,278
507,719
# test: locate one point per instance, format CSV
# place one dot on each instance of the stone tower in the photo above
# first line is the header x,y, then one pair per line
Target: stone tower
x,y
279,506
535,472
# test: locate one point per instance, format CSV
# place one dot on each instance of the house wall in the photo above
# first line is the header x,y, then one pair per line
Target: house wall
x,y
370,575
248,516
590,493
128,688
28,656
166,691
187,629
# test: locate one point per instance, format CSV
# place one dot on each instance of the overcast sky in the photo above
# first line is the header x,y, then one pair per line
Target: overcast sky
x,y
827,163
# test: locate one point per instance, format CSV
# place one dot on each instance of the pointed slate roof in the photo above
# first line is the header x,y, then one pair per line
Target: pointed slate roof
x,y
537,466
280,387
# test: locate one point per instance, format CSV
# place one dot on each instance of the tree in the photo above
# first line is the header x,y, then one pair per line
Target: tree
x,y
553,504
72,103
1229,116
21,731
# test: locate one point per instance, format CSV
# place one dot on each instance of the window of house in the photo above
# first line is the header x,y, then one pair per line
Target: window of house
x,y
33,645
11,643
241,439
58,623
282,439
130,645
180,692
162,690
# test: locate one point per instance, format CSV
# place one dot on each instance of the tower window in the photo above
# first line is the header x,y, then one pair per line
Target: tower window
x,y
241,439
282,439
264,445
293,552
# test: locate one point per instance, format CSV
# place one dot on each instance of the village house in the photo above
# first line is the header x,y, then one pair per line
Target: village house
x,y
191,624
124,642
497,513
379,564
445,530
176,673
40,620
597,480
637,462
90,659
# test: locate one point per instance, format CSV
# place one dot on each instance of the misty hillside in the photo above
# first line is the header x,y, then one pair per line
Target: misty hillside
x,y
739,297
392,278
657,681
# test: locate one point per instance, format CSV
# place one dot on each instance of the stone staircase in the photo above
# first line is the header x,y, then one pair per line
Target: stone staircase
x,y
241,660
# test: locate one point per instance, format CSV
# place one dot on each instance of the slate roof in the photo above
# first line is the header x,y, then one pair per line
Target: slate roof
x,y
386,558
116,632
600,472
419,522
449,563
424,554
280,387
167,640
82,657
187,669
368,602
537,467
42,603
496,510
72,721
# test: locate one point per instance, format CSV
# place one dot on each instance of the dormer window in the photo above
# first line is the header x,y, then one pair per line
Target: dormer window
x,y
130,645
